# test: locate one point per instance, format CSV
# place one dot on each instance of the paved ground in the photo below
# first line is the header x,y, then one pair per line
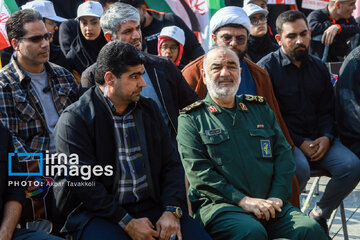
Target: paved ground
x,y
352,211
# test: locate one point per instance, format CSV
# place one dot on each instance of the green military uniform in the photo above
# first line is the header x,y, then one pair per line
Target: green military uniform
x,y
231,153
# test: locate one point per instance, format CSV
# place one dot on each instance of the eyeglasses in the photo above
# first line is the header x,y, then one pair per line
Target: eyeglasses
x,y
256,21
50,22
172,48
228,38
38,38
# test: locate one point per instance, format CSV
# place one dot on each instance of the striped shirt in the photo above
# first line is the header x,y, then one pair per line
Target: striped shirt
x,y
133,185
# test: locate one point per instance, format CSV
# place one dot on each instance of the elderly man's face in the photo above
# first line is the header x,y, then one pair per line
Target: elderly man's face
x,y
222,73
130,32
233,38
346,8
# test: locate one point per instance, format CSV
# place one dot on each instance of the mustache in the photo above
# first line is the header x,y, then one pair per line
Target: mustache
x,y
223,79
138,90
136,40
299,46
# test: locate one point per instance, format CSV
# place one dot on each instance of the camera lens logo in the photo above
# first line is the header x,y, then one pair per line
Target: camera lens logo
x,y
27,157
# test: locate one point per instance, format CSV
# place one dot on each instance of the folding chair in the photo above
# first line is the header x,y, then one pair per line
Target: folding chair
x,y
316,173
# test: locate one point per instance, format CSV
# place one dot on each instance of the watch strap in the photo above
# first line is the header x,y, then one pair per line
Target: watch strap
x,y
125,220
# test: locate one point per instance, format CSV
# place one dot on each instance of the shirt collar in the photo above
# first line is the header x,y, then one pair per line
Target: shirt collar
x,y
285,60
131,107
22,74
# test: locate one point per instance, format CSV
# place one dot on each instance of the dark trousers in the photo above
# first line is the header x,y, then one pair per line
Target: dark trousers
x,y
25,234
99,228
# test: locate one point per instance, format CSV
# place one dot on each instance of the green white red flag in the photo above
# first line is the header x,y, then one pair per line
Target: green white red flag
x,y
7,7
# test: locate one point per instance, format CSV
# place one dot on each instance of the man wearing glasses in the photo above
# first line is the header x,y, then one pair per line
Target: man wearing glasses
x,y
33,93
230,27
47,11
259,42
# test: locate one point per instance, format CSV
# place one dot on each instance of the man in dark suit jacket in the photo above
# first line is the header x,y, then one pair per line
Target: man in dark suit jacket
x,y
113,128
165,83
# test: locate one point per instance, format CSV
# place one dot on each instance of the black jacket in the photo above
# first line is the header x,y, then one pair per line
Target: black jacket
x,y
319,20
8,193
259,47
192,47
171,88
67,33
84,52
58,57
87,129
348,101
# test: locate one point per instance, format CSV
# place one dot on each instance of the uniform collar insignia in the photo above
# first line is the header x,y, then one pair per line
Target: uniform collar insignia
x,y
212,109
243,107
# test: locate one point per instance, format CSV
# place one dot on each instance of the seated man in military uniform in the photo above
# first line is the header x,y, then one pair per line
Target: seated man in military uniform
x,y
238,162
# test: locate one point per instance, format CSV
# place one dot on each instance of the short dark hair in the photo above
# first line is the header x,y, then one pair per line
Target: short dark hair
x,y
234,25
104,2
15,24
115,57
134,3
289,16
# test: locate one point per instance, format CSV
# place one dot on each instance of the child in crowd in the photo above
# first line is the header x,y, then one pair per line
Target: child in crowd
x,y
259,42
90,39
171,44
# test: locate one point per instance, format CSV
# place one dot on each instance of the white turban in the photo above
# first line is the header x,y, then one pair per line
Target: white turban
x,y
227,15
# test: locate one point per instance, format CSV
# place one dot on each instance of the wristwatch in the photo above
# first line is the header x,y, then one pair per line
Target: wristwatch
x,y
175,210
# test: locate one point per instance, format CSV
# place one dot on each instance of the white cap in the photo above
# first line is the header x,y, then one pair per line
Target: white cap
x,y
228,15
90,8
173,32
45,8
246,2
252,9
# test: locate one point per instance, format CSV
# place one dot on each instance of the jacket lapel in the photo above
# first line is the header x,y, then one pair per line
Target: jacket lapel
x,y
139,122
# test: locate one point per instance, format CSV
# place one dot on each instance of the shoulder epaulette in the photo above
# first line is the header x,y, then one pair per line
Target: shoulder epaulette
x,y
192,107
254,98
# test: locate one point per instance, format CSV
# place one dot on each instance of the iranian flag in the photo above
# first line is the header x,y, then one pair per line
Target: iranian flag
x,y
7,7
195,13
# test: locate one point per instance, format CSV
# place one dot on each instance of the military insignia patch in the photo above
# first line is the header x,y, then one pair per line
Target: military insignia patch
x,y
212,109
253,98
266,148
243,107
260,126
192,107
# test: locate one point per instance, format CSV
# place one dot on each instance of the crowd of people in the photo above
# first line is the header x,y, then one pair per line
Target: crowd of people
x,y
152,137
